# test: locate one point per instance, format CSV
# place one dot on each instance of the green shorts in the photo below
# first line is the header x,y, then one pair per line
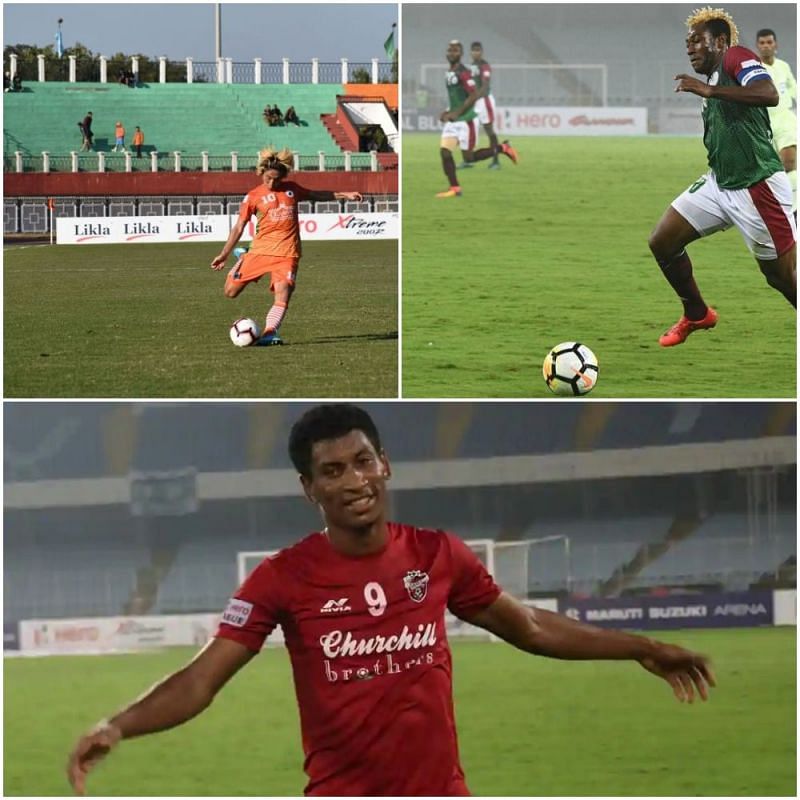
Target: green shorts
x,y
784,130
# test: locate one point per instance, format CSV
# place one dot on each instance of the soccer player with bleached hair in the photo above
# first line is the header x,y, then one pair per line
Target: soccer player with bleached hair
x,y
276,247
783,117
460,129
746,186
362,606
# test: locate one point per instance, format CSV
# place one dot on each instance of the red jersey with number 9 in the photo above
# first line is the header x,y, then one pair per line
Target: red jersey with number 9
x,y
369,652
277,231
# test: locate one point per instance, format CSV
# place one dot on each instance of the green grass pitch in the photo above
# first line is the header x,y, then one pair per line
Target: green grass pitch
x,y
555,249
150,320
527,726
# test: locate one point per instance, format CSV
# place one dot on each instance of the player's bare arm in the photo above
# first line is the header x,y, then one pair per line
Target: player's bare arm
x,y
544,633
756,93
236,233
175,700
320,196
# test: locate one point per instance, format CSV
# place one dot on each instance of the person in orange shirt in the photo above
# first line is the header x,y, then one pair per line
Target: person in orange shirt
x,y
276,247
138,141
119,137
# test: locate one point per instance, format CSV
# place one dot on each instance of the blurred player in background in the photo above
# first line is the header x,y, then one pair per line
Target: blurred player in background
x,y
783,117
485,105
276,247
460,121
746,185
362,607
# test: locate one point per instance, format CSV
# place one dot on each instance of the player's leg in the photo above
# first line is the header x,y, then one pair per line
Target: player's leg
x,y
781,274
282,286
248,268
494,145
472,155
763,215
454,135
692,215
668,245
487,120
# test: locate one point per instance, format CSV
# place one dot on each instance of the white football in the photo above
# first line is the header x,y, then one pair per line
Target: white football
x,y
570,369
244,332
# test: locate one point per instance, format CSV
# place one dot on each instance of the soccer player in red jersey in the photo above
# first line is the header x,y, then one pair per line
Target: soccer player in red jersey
x,y
746,185
362,607
276,247
485,106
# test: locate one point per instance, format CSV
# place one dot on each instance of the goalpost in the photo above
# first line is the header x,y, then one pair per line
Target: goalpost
x,y
535,84
522,568
248,560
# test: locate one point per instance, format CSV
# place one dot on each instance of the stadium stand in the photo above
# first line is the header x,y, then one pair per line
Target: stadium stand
x,y
722,551
639,74
39,448
191,118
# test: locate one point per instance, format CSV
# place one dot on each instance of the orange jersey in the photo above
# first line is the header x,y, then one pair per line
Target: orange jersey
x,y
138,137
277,230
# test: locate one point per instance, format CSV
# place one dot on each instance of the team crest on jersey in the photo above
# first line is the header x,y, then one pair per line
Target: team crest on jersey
x,y
416,583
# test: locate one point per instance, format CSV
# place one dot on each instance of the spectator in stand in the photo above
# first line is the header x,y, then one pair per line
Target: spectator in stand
x,y
7,82
138,141
291,116
119,138
276,113
86,130
268,115
16,83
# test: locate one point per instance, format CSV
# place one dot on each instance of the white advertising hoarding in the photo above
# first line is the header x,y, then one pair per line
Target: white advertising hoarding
x,y
215,228
571,121
114,634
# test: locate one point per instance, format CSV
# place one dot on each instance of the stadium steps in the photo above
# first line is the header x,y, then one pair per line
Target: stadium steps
x,y
625,575
335,128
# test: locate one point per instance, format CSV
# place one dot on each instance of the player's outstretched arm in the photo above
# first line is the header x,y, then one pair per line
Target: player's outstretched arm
x,y
756,93
315,196
554,635
176,699
236,233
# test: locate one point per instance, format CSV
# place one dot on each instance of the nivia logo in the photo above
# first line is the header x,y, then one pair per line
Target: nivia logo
x,y
335,606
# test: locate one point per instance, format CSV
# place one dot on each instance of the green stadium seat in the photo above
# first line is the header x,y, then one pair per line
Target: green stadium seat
x,y
191,118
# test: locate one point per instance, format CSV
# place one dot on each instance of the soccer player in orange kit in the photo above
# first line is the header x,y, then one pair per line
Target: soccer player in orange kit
x,y
276,247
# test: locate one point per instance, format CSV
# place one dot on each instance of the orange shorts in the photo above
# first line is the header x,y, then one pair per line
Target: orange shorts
x,y
251,267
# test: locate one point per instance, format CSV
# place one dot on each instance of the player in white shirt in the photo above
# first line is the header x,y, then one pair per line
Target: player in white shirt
x,y
783,117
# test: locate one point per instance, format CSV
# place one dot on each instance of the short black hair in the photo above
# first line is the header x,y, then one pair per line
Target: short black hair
x,y
719,27
328,422
476,44
766,32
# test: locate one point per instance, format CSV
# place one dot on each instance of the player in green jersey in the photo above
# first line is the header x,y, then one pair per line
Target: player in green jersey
x,y
783,117
461,121
746,185
485,106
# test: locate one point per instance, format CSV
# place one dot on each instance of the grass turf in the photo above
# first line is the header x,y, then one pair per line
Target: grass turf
x,y
555,249
527,726
150,320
